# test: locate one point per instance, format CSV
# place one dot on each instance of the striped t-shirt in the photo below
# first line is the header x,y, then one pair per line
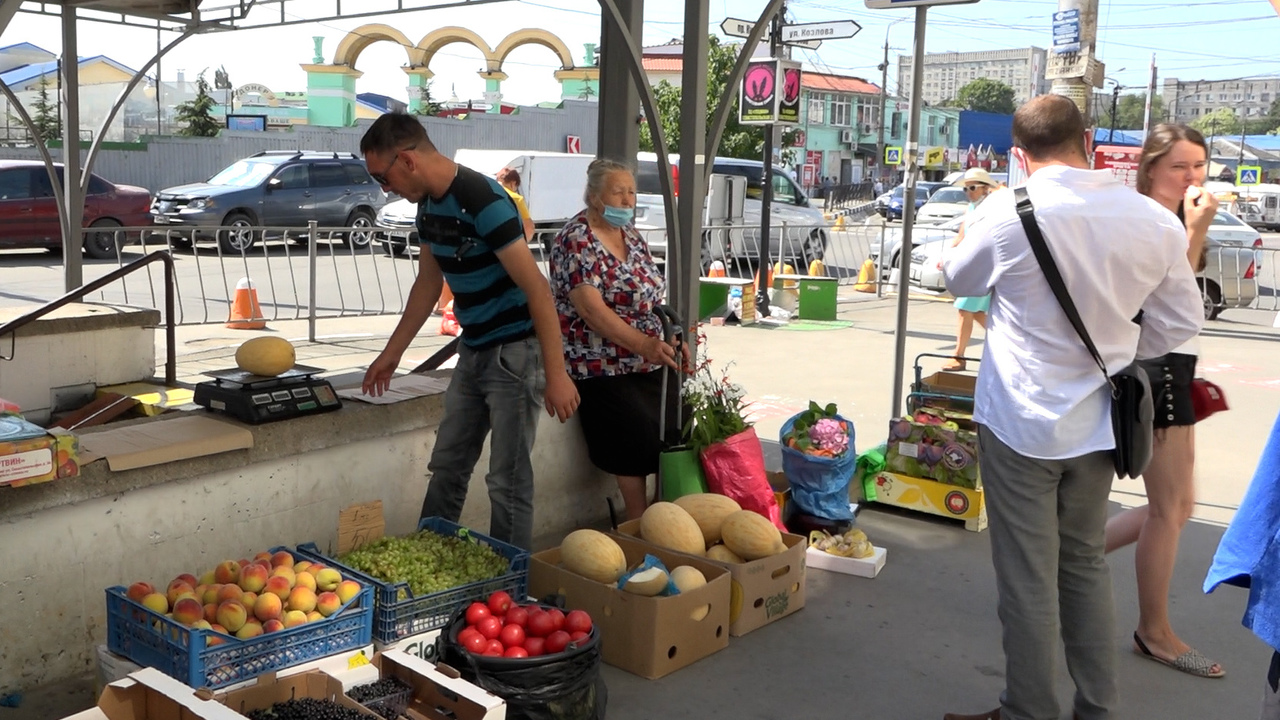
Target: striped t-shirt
x,y
462,231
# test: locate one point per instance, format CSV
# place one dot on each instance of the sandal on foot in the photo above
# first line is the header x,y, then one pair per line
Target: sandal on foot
x,y
1190,662
954,365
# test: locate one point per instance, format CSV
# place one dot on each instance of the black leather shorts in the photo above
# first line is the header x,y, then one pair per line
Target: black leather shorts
x,y
1171,377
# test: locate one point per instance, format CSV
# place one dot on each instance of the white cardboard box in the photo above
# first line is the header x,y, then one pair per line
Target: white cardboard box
x,y
862,567
422,645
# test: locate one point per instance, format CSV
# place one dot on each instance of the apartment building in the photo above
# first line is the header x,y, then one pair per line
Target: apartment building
x,y
946,72
1187,100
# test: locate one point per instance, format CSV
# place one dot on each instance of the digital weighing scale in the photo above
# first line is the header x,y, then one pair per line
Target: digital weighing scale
x,y
257,399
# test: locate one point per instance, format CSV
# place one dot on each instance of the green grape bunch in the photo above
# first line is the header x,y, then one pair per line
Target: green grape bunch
x,y
428,562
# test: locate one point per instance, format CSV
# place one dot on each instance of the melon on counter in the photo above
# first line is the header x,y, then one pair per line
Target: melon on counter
x,y
709,511
751,536
266,356
594,555
668,525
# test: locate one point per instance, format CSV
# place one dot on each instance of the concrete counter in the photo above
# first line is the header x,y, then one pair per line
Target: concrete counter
x,y
63,542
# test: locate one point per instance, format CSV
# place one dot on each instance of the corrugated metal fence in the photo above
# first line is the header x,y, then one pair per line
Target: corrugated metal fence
x,y
167,161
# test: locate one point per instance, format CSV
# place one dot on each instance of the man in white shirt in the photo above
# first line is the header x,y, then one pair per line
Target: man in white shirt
x,y
1043,404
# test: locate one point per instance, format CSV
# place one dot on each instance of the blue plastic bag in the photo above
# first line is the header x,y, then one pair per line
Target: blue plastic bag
x,y
819,485
651,562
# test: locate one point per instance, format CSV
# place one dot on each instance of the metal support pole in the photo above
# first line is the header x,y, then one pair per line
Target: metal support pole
x,y
884,93
766,199
73,262
908,209
687,268
313,242
618,136
1115,104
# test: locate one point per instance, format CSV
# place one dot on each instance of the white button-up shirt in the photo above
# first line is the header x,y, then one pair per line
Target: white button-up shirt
x,y
1038,388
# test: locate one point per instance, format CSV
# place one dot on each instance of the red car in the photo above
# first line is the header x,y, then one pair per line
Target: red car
x,y
29,212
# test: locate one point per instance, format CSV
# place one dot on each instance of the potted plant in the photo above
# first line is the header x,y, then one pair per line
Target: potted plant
x,y
726,443
818,459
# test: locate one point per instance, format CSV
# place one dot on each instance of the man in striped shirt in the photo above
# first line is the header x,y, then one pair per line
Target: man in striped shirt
x,y
511,358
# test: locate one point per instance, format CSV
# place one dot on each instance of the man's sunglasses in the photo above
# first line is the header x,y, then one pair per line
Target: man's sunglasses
x,y
967,188
381,178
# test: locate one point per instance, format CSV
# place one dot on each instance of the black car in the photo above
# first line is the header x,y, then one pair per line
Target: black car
x,y
277,188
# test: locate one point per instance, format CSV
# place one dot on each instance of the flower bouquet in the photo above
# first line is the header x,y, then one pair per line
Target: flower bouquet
x,y
727,445
819,460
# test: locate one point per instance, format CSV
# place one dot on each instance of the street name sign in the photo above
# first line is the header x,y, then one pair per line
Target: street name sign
x,y
890,4
1248,175
733,27
805,32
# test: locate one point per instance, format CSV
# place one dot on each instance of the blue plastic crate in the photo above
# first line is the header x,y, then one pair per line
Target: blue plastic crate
x,y
395,618
153,640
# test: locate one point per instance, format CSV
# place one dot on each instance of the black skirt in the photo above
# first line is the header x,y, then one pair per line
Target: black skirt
x,y
1171,377
619,415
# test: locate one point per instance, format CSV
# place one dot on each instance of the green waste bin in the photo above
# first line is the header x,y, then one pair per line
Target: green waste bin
x,y
818,298
713,297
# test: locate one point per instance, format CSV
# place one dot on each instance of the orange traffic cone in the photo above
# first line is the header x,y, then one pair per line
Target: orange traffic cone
x,y
246,314
716,270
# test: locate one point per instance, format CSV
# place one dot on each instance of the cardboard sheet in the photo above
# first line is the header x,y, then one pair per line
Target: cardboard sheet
x,y
403,387
163,441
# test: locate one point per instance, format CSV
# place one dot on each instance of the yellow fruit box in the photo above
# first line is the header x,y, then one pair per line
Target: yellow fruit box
x,y
52,456
913,493
763,590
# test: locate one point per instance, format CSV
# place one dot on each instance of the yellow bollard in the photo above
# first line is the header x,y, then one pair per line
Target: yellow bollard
x,y
865,274
817,269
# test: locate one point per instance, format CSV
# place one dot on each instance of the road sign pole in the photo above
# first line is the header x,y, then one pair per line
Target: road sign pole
x,y
908,210
766,200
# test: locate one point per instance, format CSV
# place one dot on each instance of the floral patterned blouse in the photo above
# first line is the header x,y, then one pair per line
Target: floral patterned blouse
x,y
630,287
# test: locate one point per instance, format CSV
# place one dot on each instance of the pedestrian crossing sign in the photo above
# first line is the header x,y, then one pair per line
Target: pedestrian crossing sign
x,y
893,156
1248,175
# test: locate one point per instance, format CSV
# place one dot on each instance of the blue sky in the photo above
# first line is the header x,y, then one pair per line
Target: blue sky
x,y
1192,40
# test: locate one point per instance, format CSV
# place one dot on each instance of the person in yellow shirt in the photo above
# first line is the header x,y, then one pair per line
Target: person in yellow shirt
x,y
509,178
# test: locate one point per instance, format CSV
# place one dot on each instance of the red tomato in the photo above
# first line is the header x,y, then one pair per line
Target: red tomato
x,y
476,612
516,652
491,653
464,633
557,642
535,646
577,621
499,602
490,627
475,643
558,616
578,636
512,635
540,624
495,646
517,616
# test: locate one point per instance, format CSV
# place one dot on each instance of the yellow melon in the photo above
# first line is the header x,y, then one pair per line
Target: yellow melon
x,y
751,536
688,578
667,525
720,553
268,356
647,582
594,555
708,510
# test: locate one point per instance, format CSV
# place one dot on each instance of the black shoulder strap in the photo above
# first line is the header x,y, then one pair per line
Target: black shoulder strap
x,y
1027,214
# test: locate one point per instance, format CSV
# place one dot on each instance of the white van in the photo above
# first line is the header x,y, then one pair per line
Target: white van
x,y
1267,198
806,236
551,183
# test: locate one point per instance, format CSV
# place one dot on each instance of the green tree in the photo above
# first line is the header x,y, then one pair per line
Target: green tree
x,y
742,141
1271,123
1217,123
986,95
196,115
428,105
1131,110
45,116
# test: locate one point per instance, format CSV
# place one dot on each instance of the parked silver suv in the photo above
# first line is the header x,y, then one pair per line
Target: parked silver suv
x,y
276,188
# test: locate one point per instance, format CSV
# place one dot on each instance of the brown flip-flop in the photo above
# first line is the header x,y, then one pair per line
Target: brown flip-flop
x,y
954,364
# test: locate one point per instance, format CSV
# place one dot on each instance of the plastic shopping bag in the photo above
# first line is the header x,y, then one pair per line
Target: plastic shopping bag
x,y
735,469
819,485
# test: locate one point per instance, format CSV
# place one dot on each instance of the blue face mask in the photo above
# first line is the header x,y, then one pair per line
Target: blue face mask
x,y
618,216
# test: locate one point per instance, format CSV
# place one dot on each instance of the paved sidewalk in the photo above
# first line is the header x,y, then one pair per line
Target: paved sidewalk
x,y
922,638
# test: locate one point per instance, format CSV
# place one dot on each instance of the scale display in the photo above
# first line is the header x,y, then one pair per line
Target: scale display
x,y
257,399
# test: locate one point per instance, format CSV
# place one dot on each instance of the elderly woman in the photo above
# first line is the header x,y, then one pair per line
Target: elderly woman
x,y
606,286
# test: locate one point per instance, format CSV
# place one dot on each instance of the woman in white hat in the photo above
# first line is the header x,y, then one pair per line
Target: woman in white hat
x,y
977,184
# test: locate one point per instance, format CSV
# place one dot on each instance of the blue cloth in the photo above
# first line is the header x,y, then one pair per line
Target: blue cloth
x,y
464,229
974,304
1249,553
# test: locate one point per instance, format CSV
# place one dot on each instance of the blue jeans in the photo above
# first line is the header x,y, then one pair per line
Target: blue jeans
x,y
499,389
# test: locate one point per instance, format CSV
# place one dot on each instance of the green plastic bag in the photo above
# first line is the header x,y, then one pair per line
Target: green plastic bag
x,y
680,473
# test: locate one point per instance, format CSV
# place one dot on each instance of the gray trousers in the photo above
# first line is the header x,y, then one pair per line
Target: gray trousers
x,y
1048,542
500,388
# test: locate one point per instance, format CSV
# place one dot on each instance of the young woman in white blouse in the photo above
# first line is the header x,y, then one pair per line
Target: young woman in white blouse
x,y
1171,171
